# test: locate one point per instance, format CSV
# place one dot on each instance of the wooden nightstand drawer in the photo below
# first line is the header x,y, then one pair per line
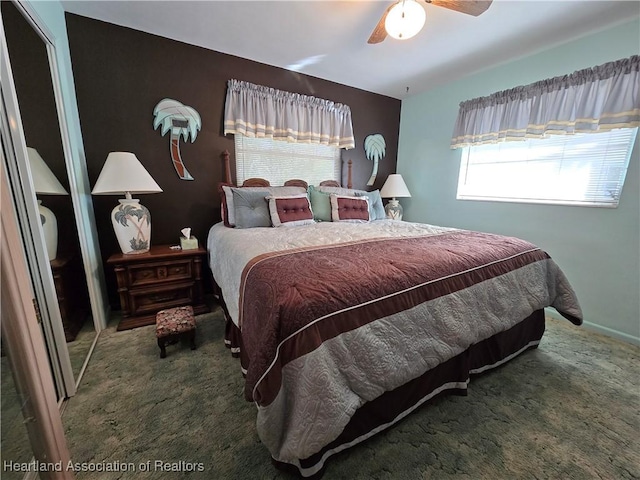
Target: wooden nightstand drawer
x,y
159,279
154,273
144,301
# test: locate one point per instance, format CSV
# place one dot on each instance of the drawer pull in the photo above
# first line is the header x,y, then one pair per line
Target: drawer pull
x,y
162,298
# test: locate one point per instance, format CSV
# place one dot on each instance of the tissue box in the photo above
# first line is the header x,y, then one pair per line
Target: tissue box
x,y
188,243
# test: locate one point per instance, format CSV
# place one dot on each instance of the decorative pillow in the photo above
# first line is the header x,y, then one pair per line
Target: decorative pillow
x,y
290,211
320,204
349,209
226,198
250,208
348,192
376,208
224,207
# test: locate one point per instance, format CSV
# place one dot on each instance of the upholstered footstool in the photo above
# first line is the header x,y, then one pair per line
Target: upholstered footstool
x,y
173,324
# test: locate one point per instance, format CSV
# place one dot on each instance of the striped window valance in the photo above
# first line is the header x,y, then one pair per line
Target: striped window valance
x,y
258,111
590,100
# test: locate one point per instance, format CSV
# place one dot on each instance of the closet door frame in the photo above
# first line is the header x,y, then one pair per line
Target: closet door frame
x,y
23,336
24,202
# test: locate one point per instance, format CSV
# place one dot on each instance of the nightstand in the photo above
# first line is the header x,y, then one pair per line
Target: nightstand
x,y
156,280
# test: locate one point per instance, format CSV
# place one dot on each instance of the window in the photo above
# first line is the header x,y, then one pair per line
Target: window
x,y
581,169
279,161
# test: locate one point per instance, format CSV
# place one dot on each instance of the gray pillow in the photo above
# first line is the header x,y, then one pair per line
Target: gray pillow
x,y
250,208
376,208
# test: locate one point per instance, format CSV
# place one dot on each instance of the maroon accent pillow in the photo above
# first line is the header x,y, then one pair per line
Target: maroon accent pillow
x,y
290,211
349,209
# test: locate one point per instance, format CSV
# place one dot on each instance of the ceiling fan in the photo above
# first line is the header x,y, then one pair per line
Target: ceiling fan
x,y
405,18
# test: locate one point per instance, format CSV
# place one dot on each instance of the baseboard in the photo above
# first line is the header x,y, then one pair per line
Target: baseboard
x,y
609,332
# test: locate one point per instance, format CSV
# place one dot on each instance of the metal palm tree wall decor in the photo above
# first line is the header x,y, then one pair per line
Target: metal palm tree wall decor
x,y
180,120
374,148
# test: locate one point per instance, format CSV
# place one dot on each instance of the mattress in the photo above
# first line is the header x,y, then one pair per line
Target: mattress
x,y
332,320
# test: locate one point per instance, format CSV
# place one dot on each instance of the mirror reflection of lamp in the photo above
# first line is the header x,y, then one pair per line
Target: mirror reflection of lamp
x,y
46,183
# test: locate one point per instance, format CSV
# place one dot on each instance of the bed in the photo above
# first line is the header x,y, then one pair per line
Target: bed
x,y
343,328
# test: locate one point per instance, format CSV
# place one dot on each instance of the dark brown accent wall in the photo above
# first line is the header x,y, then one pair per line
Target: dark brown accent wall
x,y
120,75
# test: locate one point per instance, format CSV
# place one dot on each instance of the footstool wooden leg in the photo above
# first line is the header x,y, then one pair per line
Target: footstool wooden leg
x,y
174,324
163,350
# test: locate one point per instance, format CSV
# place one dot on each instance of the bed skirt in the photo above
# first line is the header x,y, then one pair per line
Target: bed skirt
x,y
451,376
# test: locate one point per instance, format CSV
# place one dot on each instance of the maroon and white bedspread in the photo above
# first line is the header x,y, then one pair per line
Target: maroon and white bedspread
x,y
328,328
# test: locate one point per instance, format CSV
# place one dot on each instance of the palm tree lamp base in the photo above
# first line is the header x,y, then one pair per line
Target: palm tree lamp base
x,y
123,172
393,209
50,230
132,226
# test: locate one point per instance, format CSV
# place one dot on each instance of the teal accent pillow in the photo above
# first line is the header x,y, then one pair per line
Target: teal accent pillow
x,y
376,208
320,204
250,208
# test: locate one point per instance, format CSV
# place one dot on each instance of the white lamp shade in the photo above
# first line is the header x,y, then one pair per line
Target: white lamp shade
x,y
123,173
44,181
394,187
405,19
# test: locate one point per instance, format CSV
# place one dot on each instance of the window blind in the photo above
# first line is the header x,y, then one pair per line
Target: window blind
x,y
279,161
581,169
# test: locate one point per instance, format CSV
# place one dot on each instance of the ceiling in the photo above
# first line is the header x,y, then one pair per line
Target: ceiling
x,y
328,39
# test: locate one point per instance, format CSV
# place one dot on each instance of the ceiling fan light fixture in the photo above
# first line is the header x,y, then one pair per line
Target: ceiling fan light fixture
x,y
405,19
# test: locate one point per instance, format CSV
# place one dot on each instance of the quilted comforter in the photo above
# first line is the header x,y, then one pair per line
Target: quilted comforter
x,y
333,316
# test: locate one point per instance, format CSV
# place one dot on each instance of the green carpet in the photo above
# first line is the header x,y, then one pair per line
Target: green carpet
x,y
569,409
14,441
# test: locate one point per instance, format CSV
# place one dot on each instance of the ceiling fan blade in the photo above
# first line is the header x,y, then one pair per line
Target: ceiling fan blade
x,y
470,7
380,33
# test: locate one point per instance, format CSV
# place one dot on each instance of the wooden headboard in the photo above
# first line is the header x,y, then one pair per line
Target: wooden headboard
x,y
261,182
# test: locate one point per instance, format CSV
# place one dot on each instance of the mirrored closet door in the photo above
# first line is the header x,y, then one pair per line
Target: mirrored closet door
x,y
37,171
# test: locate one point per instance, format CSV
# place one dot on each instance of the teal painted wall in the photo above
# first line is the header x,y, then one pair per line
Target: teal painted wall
x,y
598,248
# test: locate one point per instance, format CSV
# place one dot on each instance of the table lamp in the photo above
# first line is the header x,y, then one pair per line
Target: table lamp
x,y
123,173
393,188
46,183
